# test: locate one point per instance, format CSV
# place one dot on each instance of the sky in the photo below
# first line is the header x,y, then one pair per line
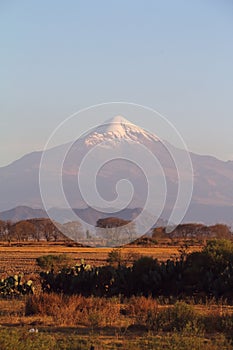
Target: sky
x,y
58,57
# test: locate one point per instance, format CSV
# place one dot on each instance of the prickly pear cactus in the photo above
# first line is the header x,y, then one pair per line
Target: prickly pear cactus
x,y
14,285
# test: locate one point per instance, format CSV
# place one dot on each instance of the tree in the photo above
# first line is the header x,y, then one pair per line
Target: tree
x,y
146,275
48,230
221,231
6,231
159,233
88,235
115,257
73,230
38,228
211,270
116,230
45,229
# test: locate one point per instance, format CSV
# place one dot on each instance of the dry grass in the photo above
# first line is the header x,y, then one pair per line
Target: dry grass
x,y
60,310
106,321
138,308
75,310
18,259
77,322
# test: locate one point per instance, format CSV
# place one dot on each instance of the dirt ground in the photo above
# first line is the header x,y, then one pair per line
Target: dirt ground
x,y
21,258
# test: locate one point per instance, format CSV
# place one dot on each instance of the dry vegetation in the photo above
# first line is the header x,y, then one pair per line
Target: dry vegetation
x,y
137,323
21,258
77,322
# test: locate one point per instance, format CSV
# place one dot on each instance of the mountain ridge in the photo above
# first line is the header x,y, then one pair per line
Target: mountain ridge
x,y
213,178
87,214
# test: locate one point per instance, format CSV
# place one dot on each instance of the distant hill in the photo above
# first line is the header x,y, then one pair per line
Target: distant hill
x,y
88,215
22,213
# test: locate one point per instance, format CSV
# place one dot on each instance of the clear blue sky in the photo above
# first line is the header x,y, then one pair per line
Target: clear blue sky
x,y
60,56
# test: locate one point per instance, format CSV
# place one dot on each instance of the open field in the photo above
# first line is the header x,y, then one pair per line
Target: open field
x,y
61,322
109,328
21,258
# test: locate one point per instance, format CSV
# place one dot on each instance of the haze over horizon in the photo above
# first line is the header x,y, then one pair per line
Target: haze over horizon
x,y
175,57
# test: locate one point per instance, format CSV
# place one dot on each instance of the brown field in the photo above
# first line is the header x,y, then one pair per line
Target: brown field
x,y
21,258
106,328
103,324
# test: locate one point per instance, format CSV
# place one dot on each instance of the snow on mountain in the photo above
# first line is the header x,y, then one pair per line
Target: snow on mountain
x,y
213,178
118,129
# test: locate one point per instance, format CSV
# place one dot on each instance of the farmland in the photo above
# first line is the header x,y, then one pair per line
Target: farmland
x,y
70,322
21,258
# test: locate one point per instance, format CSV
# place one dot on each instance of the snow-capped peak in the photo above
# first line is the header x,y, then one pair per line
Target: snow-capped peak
x,y
118,129
117,125
118,119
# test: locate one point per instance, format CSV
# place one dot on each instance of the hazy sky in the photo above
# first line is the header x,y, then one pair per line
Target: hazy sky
x,y
60,56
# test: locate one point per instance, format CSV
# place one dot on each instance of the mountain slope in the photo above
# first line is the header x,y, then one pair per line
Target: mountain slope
x,y
213,178
22,213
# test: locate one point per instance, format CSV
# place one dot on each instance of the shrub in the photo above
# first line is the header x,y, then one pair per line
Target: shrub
x,y
54,262
75,309
115,257
203,274
179,317
146,275
140,308
211,271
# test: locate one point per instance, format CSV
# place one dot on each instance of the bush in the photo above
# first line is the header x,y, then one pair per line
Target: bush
x,y
75,309
146,276
115,257
140,308
177,318
208,273
181,315
54,262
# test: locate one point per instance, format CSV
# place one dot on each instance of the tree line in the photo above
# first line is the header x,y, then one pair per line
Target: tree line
x,y
112,230
32,229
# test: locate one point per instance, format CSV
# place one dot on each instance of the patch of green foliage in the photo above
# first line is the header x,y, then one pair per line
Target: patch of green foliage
x,y
53,262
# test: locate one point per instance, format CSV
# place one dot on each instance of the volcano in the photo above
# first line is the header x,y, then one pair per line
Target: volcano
x,y
212,199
